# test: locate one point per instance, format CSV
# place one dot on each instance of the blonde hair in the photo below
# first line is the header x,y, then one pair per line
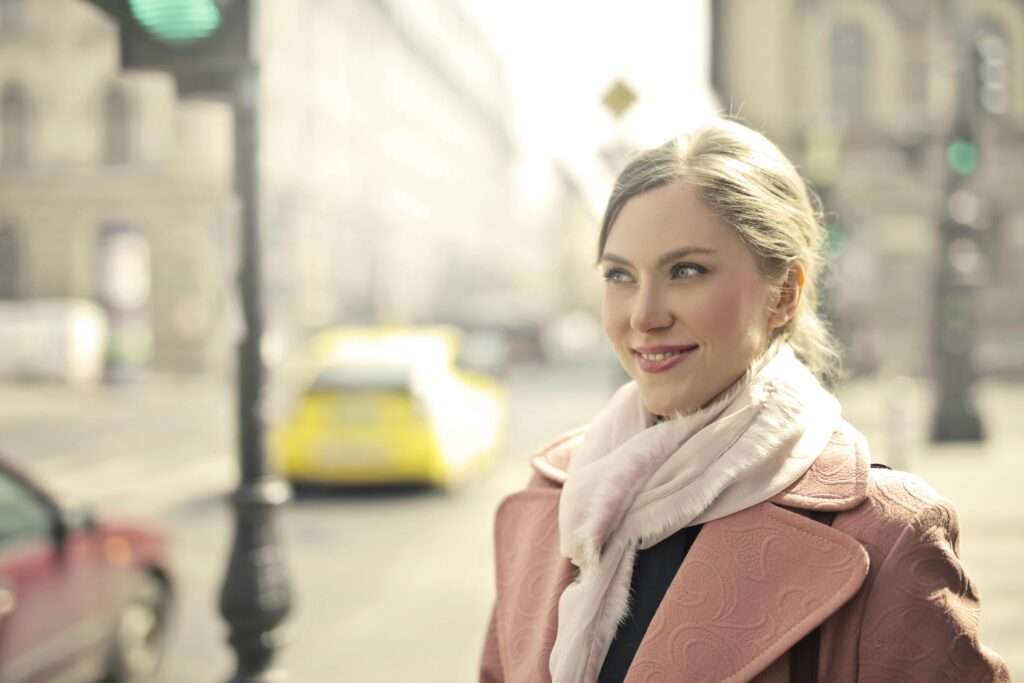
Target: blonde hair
x,y
754,189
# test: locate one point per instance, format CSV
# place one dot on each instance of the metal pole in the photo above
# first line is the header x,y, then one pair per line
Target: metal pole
x,y
256,595
956,416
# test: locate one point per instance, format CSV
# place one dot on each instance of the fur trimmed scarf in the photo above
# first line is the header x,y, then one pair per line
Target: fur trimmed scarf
x,y
633,483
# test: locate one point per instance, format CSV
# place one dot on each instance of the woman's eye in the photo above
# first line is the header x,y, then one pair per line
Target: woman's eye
x,y
685,271
616,275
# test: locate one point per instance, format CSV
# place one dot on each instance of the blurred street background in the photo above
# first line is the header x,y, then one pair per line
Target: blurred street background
x,y
397,585
446,163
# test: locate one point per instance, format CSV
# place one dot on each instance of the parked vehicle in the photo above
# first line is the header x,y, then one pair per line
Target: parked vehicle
x,y
384,406
81,598
63,340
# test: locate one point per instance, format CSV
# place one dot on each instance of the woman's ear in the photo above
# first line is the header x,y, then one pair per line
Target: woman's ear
x,y
787,299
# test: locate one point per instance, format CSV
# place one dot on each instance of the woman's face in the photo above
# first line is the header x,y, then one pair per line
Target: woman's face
x,y
685,305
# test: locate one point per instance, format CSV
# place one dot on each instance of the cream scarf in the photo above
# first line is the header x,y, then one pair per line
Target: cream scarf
x,y
633,484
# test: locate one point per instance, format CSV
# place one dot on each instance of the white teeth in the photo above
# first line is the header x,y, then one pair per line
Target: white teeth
x,y
655,357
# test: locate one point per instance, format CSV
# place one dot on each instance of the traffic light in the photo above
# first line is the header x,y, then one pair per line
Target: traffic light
x,y
179,22
990,57
962,156
189,38
961,268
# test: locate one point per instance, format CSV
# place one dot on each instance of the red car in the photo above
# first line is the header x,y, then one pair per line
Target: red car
x,y
81,600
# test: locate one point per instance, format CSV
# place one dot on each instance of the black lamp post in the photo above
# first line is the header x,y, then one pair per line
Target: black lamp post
x,y
210,48
256,595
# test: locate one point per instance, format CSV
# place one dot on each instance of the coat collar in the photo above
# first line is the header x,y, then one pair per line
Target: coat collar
x,y
838,479
752,585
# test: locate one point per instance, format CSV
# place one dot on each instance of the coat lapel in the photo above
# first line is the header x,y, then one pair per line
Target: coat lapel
x,y
753,584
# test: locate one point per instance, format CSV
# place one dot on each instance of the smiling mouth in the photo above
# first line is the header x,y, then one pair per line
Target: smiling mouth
x,y
663,358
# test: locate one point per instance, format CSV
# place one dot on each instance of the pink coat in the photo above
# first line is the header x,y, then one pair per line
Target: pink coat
x,y
884,583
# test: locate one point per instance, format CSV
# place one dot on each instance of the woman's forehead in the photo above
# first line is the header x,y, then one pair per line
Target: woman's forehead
x,y
669,218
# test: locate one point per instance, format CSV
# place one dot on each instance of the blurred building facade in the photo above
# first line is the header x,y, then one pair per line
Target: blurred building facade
x,y
111,189
388,166
861,96
387,178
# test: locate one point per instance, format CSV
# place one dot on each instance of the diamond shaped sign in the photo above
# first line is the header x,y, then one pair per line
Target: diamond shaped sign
x,y
618,98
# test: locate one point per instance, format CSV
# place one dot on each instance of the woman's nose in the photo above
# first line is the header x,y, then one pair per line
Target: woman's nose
x,y
650,311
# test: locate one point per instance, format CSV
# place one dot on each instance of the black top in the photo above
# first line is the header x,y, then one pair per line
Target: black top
x,y
653,571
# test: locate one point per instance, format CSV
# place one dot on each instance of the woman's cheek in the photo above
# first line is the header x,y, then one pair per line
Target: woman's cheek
x,y
609,320
615,312
715,316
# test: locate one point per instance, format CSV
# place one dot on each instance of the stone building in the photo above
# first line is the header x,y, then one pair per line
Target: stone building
x,y
388,165
111,189
386,176
861,95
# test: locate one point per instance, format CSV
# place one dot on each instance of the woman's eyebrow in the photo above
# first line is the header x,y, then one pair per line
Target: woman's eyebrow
x,y
664,259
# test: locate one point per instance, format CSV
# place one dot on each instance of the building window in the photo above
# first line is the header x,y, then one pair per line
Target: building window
x,y
117,118
995,77
10,260
848,71
14,121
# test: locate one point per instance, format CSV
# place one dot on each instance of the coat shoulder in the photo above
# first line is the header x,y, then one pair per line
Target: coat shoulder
x,y
897,502
908,498
915,585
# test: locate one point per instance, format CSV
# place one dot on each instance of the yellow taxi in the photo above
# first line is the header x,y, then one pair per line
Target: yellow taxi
x,y
377,405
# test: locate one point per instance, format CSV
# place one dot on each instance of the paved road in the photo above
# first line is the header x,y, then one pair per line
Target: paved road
x,y
389,587
139,448
396,586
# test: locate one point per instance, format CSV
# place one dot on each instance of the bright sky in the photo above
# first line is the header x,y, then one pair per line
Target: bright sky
x,y
562,55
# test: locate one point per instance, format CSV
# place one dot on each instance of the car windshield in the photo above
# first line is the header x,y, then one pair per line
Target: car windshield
x,y
388,378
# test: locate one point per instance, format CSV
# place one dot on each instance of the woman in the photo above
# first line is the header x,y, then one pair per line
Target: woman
x,y
718,520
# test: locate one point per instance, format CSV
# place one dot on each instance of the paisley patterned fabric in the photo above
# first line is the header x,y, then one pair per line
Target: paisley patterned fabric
x,y
884,583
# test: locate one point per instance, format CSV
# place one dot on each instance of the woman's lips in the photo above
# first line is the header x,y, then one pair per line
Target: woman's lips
x,y
655,359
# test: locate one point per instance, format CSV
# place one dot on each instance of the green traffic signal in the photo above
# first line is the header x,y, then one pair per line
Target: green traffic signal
x,y
962,156
177,21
